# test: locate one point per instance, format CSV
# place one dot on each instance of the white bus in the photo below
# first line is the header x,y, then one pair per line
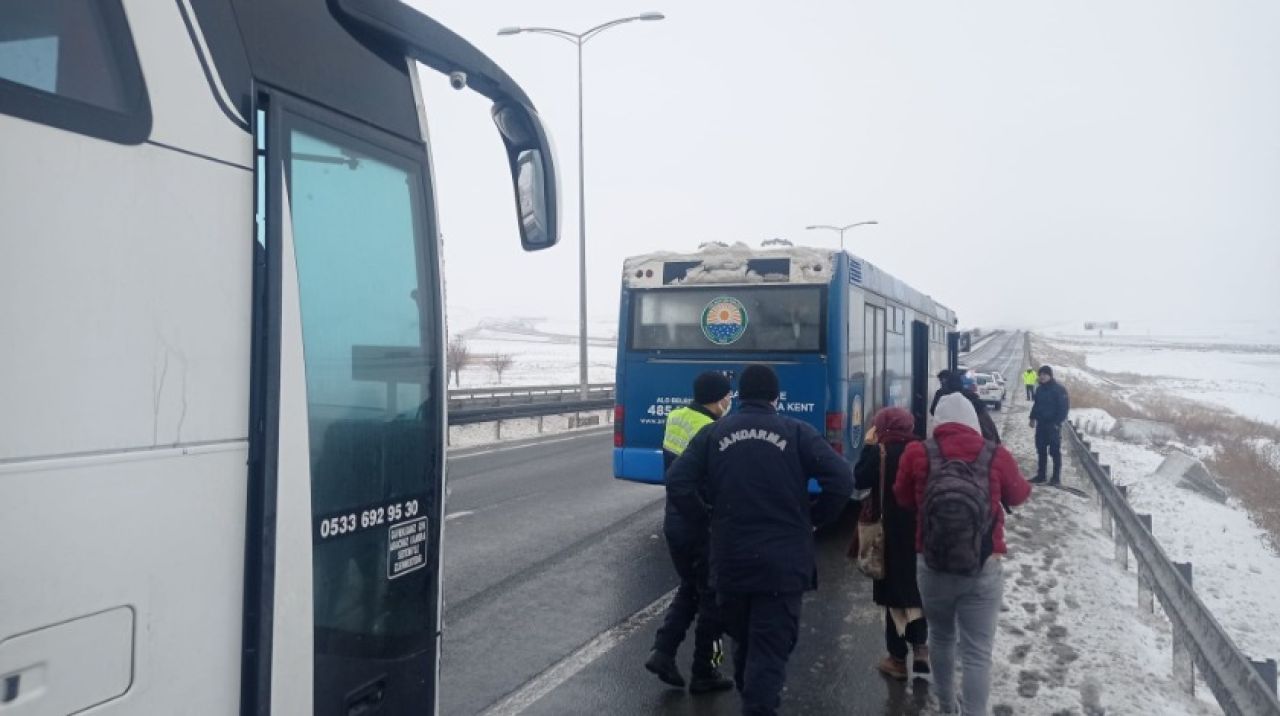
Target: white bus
x,y
221,352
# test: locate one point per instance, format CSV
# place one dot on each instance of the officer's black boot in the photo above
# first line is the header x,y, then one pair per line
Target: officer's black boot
x,y
707,679
664,666
1056,480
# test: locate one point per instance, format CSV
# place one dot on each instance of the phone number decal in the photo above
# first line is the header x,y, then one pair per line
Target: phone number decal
x,y
358,520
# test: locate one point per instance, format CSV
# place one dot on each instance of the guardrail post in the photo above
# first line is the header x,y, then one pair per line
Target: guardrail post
x,y
497,430
1184,664
539,424
1146,598
1122,546
1267,670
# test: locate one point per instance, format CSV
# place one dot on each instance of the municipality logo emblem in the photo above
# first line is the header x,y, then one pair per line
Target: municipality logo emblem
x,y
724,320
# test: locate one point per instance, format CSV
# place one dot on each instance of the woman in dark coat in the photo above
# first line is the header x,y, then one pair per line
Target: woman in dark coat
x,y
893,429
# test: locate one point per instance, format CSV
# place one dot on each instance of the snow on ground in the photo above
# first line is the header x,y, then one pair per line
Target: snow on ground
x,y
1093,420
1241,377
543,351
1071,638
464,436
1237,574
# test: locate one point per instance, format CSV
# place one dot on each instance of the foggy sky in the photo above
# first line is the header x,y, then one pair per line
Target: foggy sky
x,y
1032,164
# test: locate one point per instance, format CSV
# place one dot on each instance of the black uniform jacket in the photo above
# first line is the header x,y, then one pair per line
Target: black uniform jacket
x,y
748,474
682,536
1052,405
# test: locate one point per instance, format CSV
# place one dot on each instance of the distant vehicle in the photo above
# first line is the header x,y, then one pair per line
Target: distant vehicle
x,y
990,390
222,437
845,338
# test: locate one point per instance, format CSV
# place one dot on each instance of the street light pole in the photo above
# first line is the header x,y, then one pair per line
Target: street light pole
x,y
579,39
841,229
583,381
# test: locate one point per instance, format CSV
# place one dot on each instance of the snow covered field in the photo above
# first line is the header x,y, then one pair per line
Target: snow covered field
x,y
543,351
1237,574
1237,567
1240,377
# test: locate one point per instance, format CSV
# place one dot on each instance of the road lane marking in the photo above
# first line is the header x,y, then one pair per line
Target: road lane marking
x,y
568,667
456,515
539,443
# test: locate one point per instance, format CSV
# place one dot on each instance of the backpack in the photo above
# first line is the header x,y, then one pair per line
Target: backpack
x,y
956,512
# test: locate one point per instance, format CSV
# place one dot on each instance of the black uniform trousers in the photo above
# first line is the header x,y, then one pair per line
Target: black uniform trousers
x,y
694,600
1049,440
764,628
1031,392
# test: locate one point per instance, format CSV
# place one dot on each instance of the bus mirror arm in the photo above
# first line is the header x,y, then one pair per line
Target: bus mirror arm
x,y
530,154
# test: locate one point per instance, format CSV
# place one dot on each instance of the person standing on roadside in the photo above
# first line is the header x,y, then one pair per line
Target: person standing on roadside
x,y
893,429
1047,415
712,396
956,482
1029,381
747,475
944,379
965,384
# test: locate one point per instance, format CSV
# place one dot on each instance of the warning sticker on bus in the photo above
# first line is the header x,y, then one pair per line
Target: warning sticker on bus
x,y
406,547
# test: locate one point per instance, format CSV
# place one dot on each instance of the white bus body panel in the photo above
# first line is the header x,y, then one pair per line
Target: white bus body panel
x,y
125,291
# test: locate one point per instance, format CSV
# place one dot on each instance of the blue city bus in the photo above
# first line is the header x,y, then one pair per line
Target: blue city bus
x,y
844,337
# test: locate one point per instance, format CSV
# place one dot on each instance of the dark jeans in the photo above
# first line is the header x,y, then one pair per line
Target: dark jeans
x,y
764,628
1049,440
693,599
1031,392
917,635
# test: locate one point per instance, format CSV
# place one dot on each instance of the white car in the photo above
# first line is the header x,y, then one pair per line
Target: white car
x,y
990,390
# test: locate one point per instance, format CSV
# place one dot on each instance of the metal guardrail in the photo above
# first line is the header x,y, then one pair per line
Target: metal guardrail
x,y
468,398
1198,639
489,414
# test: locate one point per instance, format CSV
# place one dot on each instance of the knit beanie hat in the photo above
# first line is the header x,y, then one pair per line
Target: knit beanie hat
x,y
758,382
710,387
956,408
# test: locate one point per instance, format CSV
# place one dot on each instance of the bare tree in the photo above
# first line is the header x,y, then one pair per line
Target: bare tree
x,y
458,357
500,362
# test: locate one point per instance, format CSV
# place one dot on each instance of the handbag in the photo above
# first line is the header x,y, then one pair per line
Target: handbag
x,y
870,535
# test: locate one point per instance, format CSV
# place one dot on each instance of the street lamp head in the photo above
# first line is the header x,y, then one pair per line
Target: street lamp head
x,y
871,222
510,31
651,16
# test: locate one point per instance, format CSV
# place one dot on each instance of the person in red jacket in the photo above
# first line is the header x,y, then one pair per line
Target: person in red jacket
x,y
960,605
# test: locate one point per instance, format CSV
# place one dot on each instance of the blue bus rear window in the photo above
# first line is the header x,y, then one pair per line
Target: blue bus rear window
x,y
735,319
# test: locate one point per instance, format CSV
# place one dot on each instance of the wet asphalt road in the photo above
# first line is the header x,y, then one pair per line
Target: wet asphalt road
x,y
553,575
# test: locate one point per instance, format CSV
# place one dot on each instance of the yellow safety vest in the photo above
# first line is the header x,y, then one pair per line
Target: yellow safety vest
x,y
1029,378
682,425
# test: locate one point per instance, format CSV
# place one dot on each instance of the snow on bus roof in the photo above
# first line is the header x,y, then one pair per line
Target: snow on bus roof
x,y
724,264
719,263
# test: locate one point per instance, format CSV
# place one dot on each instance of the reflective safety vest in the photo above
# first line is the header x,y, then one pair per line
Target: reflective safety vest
x,y
682,425
1029,377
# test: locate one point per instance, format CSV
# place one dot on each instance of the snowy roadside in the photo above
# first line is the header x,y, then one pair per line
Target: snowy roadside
x,y
1071,639
1237,575
465,436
